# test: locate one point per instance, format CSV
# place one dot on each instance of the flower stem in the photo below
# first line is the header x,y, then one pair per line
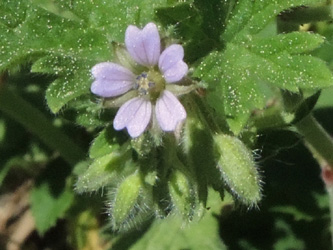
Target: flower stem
x,y
34,121
206,116
317,139
320,144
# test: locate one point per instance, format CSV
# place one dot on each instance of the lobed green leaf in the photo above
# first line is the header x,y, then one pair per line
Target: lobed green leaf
x,y
240,73
66,39
253,60
51,197
251,17
292,43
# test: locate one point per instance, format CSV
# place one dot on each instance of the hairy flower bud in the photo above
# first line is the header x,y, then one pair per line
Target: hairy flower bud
x,y
102,172
125,198
238,169
181,194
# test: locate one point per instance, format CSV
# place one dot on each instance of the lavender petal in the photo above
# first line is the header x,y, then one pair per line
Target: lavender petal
x,y
176,73
134,115
171,63
143,45
171,55
111,79
169,111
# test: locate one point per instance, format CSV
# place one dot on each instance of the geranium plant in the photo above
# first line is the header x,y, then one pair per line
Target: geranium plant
x,y
168,117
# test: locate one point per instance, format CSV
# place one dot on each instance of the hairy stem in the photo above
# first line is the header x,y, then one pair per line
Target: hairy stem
x,y
34,121
203,111
320,144
318,140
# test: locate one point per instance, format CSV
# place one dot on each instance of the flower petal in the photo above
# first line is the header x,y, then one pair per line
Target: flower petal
x,y
111,71
111,79
135,115
144,45
169,111
171,55
171,63
176,73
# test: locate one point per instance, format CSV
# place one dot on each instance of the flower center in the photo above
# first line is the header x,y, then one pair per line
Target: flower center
x,y
151,83
142,84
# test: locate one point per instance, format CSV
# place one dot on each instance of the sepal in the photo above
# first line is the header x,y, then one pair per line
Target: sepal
x,y
123,58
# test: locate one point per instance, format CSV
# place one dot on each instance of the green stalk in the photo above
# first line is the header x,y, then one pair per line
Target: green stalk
x,y
319,141
34,121
203,112
320,144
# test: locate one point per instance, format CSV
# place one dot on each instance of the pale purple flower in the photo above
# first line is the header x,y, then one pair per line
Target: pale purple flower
x,y
112,80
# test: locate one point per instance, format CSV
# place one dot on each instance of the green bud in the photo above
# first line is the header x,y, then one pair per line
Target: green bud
x,y
125,199
103,171
180,192
238,169
184,196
